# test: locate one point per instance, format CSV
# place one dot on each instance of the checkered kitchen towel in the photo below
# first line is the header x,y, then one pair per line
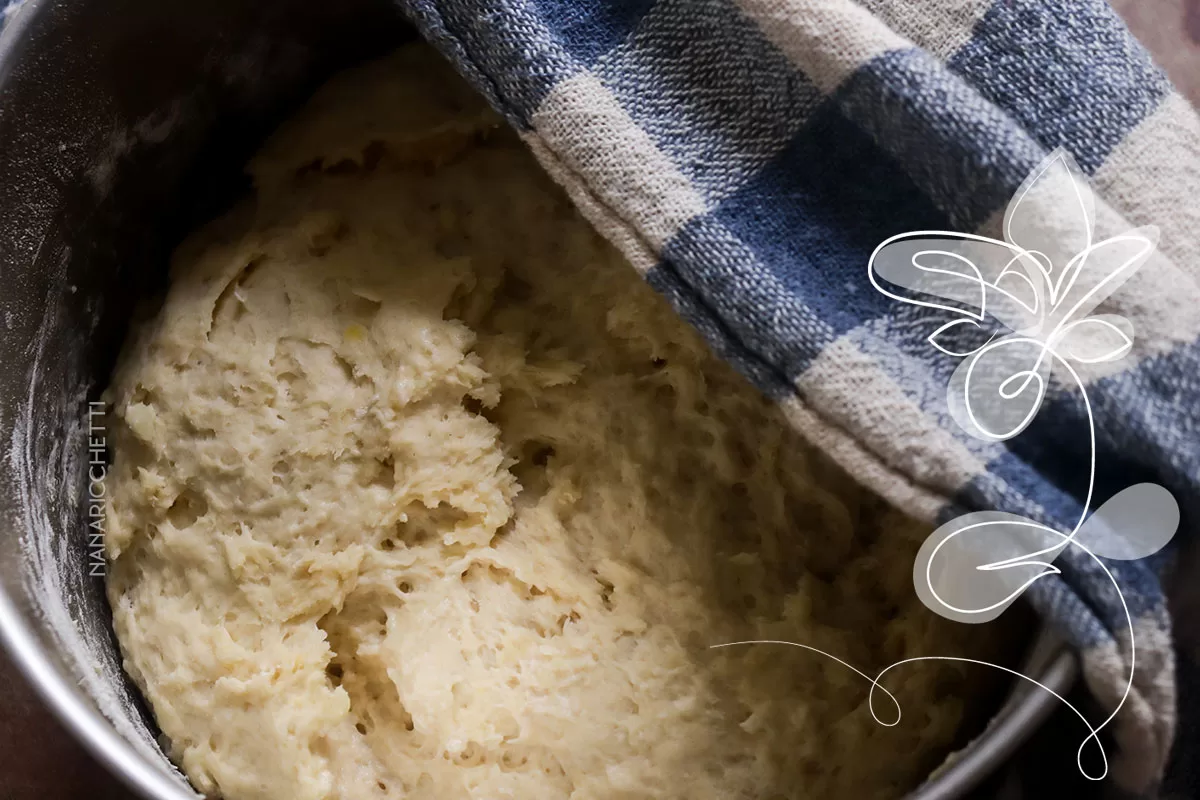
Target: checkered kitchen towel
x,y
748,156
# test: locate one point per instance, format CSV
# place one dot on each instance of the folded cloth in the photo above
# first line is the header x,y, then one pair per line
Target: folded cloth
x,y
748,156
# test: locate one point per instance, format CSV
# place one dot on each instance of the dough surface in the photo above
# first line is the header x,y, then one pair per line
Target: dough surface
x,y
419,491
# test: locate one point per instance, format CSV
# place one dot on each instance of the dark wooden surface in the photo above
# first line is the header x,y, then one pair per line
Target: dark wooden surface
x,y
40,761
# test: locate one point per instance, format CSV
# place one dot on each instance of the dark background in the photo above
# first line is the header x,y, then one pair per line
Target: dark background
x,y
40,761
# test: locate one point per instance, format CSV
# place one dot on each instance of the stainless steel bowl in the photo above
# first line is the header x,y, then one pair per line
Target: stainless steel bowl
x,y
123,123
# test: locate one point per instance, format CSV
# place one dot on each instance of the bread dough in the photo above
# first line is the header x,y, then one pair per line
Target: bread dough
x,y
419,491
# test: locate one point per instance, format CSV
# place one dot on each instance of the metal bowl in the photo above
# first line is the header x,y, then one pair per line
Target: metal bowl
x,y
123,123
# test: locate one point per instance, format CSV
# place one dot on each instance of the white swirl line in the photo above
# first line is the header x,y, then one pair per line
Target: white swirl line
x,y
1094,732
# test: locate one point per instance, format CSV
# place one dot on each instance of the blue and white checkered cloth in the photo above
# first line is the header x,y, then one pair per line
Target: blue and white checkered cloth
x,y
748,156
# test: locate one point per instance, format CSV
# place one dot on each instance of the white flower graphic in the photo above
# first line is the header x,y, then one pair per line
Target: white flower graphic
x,y
1023,307
1022,314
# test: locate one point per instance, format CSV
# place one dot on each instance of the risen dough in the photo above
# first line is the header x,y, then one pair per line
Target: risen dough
x,y
419,491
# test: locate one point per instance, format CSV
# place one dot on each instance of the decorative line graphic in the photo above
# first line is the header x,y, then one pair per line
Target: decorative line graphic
x,y
1023,318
